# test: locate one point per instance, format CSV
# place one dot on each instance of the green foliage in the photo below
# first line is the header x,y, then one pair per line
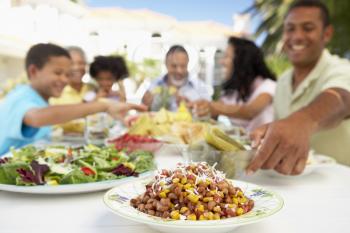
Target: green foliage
x,y
148,68
273,12
278,63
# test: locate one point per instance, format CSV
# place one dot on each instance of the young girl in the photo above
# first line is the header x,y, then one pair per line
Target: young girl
x,y
108,70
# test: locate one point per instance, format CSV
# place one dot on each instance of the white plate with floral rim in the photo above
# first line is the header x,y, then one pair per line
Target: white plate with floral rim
x,y
315,162
266,203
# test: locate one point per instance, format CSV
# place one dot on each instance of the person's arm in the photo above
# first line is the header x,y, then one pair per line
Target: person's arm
x,y
246,111
283,145
58,114
147,99
122,94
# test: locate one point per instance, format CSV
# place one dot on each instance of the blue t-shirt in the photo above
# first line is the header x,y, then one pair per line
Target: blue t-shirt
x,y
13,132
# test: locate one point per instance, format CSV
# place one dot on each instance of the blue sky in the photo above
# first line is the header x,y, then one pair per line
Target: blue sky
x,y
218,10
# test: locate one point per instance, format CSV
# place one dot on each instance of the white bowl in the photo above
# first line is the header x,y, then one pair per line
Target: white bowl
x,y
266,203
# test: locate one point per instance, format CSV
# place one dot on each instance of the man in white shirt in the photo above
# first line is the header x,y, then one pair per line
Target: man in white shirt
x,y
312,101
177,82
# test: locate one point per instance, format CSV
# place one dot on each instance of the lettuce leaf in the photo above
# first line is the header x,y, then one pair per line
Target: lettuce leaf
x,y
33,176
143,161
76,177
8,172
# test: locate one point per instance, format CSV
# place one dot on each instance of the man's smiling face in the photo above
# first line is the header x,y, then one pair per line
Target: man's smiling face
x,y
305,35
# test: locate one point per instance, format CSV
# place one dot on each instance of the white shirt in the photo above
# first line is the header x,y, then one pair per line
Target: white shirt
x,y
194,89
260,86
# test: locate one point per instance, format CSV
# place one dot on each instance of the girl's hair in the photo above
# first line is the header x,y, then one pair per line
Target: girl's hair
x,y
114,64
248,64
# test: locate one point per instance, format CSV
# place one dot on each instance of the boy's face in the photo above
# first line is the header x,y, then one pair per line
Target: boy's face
x,y
50,80
305,35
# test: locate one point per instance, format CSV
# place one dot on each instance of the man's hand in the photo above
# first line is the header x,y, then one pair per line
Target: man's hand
x,y
200,107
119,109
282,145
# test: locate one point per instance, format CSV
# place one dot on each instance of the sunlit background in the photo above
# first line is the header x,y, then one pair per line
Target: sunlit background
x,y
139,30
142,31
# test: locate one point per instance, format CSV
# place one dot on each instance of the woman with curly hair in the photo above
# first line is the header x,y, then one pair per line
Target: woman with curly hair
x,y
248,89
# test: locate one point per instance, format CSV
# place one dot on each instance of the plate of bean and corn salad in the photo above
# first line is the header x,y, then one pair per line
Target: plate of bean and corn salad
x,y
194,197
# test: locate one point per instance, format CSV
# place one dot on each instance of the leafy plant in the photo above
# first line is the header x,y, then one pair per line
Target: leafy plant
x,y
274,11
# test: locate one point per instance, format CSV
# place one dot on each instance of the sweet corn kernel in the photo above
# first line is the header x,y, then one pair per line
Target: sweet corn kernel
x,y
243,200
187,186
192,217
162,183
184,180
183,209
175,214
201,217
209,215
239,194
235,200
162,194
176,180
212,192
171,205
52,182
217,209
166,190
200,208
216,216
129,165
207,181
239,211
193,198
207,199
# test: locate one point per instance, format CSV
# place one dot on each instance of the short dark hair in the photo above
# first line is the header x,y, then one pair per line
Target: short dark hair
x,y
175,48
114,64
40,54
326,19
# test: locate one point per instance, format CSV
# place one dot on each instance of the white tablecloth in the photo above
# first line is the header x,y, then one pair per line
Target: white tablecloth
x,y
318,202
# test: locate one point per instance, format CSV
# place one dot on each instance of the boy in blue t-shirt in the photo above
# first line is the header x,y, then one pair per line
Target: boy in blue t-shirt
x,y
25,114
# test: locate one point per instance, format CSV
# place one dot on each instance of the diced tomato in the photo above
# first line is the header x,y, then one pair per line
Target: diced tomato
x,y
115,158
87,171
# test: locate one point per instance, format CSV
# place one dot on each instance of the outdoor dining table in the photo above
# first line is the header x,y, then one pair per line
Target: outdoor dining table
x,y
317,202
